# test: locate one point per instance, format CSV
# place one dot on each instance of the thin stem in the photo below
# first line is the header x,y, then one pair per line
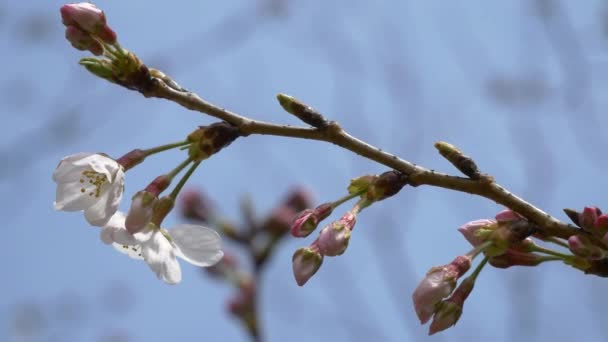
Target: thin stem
x,y
478,249
556,241
178,168
551,252
346,198
161,148
478,269
184,179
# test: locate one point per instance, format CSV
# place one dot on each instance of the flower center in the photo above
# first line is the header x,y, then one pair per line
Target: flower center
x,y
93,179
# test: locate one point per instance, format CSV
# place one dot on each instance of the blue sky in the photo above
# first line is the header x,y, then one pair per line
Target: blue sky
x,y
519,89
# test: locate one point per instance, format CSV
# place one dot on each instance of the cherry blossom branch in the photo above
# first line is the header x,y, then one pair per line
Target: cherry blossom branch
x,y
334,133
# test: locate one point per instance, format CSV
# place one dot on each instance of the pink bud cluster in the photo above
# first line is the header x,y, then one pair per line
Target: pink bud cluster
x,y
505,252
438,284
86,27
593,224
332,241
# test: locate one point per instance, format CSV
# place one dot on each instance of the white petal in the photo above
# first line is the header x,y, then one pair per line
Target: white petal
x,y
115,232
69,197
160,256
99,213
133,251
101,164
200,246
66,171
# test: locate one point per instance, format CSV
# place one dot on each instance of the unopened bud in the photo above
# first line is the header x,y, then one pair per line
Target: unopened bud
x,y
478,231
89,19
211,139
581,246
140,211
461,161
438,283
161,209
508,215
333,239
279,221
195,206
308,220
588,217
306,262
83,41
386,185
516,258
450,310
299,199
302,111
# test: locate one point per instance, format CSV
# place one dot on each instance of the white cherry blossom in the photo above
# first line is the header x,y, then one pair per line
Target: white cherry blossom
x,y
159,248
91,182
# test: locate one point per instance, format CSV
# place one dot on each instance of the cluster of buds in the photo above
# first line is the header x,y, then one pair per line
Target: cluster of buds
x,y
334,237
86,27
594,225
438,284
505,241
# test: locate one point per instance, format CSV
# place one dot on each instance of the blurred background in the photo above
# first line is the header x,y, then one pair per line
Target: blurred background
x,y
518,85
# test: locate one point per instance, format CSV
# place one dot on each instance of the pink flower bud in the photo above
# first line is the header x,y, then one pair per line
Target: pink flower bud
x,y
306,262
334,238
308,220
601,223
195,205
515,258
471,230
82,40
304,223
581,246
89,19
450,309
438,283
140,211
84,15
588,217
279,221
299,199
508,215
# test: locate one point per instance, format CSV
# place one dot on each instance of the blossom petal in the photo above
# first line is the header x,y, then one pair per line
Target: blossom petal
x,y
66,172
114,231
69,197
99,213
101,164
200,246
133,251
160,256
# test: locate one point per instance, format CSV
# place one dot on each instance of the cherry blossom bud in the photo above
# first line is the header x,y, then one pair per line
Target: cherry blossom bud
x,y
601,223
306,262
279,221
89,19
450,309
515,258
508,215
302,111
83,41
195,206
438,283
476,232
588,217
140,211
581,246
333,239
573,215
299,199
308,220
